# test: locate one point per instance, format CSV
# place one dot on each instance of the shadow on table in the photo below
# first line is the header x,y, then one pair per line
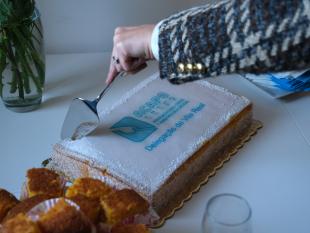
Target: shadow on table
x,y
71,71
55,101
296,96
79,83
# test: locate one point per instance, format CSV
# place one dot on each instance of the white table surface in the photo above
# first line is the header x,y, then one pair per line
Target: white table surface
x,y
272,171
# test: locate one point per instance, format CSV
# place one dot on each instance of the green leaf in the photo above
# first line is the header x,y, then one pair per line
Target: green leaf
x,y
15,12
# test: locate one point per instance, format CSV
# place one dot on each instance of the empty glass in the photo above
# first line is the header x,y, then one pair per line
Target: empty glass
x,y
227,213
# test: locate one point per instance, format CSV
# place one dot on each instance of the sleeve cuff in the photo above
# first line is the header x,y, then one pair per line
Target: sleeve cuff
x,y
154,41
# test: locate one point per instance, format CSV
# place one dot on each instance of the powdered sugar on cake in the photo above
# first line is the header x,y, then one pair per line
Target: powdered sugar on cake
x,y
155,128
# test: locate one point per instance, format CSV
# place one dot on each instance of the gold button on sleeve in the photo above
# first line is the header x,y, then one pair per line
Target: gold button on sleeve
x,y
189,67
199,67
181,67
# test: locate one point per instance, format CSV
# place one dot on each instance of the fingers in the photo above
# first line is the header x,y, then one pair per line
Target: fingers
x,y
138,69
113,70
120,63
130,50
112,74
129,64
125,63
136,66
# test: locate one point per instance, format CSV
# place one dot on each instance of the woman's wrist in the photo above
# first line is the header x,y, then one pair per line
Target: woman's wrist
x,y
154,41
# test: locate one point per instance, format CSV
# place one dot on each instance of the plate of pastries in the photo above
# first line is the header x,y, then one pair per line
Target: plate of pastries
x,y
49,204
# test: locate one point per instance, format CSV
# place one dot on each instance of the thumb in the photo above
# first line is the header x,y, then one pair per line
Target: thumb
x,y
111,75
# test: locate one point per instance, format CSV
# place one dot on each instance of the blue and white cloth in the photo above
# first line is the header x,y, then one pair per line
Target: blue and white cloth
x,y
283,83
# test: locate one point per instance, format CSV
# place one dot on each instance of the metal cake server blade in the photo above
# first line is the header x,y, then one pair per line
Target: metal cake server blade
x,y
82,117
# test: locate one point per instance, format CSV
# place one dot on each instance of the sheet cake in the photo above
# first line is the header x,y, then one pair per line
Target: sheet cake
x,y
157,139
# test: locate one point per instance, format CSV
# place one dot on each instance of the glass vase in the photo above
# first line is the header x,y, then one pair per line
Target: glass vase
x,y
22,65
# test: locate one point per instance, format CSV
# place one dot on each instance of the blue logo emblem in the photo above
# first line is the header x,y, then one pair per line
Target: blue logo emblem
x,y
133,129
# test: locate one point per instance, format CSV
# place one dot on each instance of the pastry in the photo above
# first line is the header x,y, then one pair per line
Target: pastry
x,y
20,224
7,202
26,205
123,204
90,207
88,187
44,181
64,218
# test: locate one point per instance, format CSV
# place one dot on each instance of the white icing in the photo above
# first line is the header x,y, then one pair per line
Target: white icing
x,y
148,170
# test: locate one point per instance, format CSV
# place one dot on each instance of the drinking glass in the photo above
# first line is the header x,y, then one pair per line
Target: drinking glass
x,y
227,213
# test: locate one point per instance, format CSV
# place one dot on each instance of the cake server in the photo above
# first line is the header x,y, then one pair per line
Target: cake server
x,y
82,117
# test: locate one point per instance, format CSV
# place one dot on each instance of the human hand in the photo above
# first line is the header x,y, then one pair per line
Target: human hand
x,y
131,50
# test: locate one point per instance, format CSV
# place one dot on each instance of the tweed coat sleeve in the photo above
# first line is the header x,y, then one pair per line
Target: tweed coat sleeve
x,y
233,36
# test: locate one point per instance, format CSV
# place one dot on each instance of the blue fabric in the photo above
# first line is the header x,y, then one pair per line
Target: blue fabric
x,y
293,84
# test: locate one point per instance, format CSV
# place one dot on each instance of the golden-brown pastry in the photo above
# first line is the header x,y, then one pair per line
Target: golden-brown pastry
x,y
64,218
25,206
7,202
132,228
44,181
88,187
90,207
20,224
123,204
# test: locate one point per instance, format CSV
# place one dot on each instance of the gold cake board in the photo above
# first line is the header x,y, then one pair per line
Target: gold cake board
x,y
216,163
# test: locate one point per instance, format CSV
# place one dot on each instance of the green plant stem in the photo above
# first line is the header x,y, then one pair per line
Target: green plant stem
x,y
34,54
1,86
20,84
28,72
23,73
13,84
23,47
27,69
12,58
36,26
2,61
27,45
25,66
26,83
19,37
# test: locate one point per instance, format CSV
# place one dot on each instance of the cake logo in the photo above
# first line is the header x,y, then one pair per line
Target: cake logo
x,y
133,129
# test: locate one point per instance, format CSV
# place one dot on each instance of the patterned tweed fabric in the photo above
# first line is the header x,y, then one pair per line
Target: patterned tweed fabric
x,y
233,36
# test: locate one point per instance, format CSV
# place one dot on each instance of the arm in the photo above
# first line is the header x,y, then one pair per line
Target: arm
x,y
237,35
